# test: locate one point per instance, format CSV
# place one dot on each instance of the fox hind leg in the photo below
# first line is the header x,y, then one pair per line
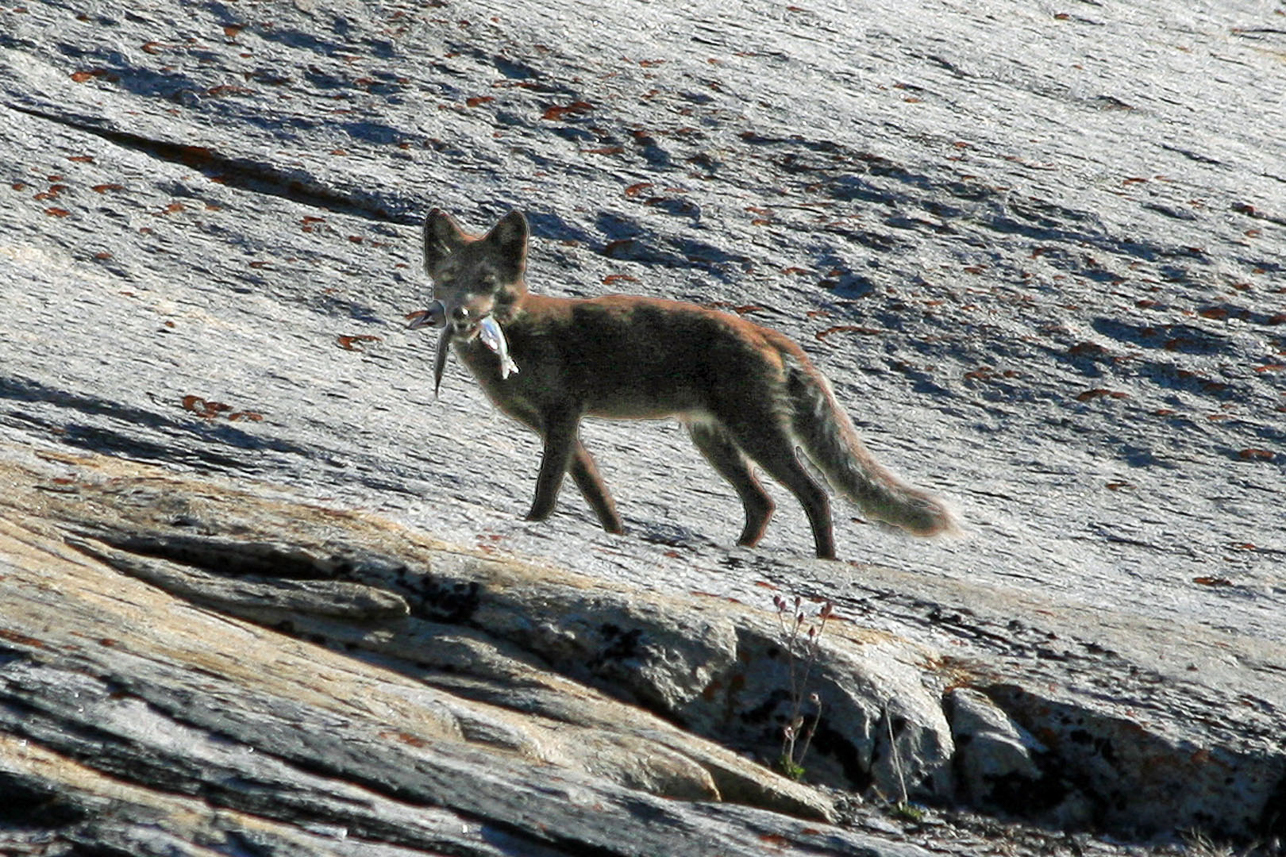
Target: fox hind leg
x,y
773,448
719,449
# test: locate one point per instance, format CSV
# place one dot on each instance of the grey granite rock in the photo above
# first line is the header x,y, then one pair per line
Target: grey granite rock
x,y
1039,251
997,756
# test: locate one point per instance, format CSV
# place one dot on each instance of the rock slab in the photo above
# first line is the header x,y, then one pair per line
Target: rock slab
x,y
1038,251
372,664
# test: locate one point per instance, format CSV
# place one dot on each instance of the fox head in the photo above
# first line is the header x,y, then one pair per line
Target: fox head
x,y
474,276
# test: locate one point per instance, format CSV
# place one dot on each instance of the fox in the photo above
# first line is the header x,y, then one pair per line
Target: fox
x,y
745,393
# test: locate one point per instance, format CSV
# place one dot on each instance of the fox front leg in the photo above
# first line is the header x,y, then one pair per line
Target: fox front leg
x,y
559,433
585,471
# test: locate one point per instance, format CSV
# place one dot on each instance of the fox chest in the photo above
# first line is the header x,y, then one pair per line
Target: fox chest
x,y
522,390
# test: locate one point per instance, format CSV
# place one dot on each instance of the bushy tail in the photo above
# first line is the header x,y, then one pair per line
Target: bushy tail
x,y
830,441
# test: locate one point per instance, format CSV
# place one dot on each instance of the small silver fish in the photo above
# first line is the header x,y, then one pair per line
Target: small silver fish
x,y
434,316
494,338
488,331
440,358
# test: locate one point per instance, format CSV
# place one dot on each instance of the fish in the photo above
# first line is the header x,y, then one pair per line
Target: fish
x,y
440,359
434,316
494,338
488,330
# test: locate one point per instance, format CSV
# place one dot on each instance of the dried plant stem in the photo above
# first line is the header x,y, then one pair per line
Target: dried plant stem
x,y
802,650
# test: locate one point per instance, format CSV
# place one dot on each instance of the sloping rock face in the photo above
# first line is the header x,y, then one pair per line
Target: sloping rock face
x,y
348,718
1039,252
385,673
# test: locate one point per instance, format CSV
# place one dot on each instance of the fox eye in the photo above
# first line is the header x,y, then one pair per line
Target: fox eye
x,y
444,275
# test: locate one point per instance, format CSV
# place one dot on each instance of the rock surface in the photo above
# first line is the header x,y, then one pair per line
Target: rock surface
x,y
112,676
1039,251
996,757
384,666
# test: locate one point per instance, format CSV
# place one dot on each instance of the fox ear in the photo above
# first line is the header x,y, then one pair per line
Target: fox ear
x,y
442,237
509,236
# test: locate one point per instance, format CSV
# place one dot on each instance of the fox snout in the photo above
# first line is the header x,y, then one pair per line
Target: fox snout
x,y
458,321
462,318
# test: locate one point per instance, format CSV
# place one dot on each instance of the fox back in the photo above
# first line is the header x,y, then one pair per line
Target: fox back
x,y
745,392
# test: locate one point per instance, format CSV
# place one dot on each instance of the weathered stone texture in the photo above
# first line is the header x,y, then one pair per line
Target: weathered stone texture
x,y
1038,251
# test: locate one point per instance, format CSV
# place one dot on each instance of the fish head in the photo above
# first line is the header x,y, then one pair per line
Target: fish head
x,y
434,316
